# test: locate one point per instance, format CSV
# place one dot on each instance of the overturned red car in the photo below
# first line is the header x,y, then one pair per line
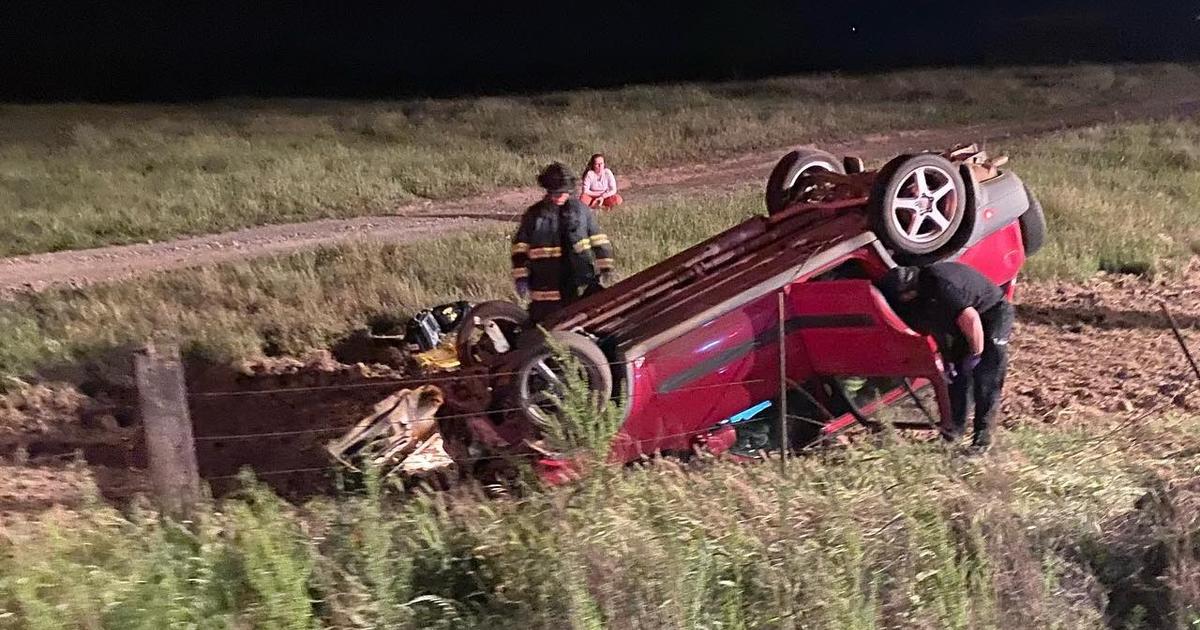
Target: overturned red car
x,y
690,347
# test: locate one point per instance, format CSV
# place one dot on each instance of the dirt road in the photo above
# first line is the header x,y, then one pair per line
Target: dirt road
x,y
424,220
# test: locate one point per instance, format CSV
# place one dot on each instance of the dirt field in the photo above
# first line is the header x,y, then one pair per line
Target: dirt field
x,y
1103,348
429,219
1099,352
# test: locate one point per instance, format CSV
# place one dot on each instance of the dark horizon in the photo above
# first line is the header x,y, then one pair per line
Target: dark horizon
x,y
90,51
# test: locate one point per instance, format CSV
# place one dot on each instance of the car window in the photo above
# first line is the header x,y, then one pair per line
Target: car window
x,y
887,400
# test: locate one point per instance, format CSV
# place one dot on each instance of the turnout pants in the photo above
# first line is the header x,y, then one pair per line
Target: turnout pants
x,y
987,381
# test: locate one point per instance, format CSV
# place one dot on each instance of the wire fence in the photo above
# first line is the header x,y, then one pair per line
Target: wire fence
x,y
243,436
1082,444
416,381
483,458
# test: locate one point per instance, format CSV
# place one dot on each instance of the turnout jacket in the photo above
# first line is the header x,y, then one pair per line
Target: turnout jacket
x,y
560,249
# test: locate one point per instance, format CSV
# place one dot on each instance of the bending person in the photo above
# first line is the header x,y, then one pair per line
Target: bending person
x,y
971,321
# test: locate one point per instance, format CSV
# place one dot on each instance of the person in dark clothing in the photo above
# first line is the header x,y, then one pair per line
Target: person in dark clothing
x,y
971,321
559,253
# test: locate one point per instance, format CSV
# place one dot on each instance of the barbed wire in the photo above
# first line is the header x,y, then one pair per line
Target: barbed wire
x,y
510,456
242,436
331,429
822,443
384,382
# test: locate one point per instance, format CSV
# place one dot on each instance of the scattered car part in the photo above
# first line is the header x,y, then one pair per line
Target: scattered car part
x,y
443,357
422,332
426,328
450,315
401,435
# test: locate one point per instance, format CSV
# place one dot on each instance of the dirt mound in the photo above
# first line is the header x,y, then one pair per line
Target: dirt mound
x,y
315,362
33,487
41,409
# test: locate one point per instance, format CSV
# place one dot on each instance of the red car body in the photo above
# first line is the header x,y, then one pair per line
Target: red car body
x,y
682,389
686,362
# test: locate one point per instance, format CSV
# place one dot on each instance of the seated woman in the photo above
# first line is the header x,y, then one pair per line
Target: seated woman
x,y
599,185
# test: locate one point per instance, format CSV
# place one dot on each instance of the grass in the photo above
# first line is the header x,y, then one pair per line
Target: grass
x,y
74,176
1122,198
1053,530
1117,197
294,303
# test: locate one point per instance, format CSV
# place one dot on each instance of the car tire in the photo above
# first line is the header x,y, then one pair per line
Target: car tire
x,y
790,168
961,237
923,188
1033,225
511,319
532,374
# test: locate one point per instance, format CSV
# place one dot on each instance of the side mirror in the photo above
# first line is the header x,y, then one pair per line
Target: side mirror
x,y
853,164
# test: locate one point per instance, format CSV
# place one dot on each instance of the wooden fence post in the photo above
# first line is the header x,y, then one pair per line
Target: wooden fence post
x,y
783,397
162,400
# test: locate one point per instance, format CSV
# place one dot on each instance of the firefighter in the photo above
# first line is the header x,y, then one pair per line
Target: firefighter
x,y
559,253
971,320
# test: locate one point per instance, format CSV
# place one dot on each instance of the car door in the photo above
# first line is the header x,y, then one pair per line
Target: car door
x,y
846,329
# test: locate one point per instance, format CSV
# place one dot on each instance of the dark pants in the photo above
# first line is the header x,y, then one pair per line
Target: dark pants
x,y
542,309
987,381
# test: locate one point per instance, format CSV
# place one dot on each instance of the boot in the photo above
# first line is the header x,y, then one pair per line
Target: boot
x,y
981,441
949,433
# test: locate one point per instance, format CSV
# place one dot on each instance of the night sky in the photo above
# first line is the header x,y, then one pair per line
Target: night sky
x,y
187,50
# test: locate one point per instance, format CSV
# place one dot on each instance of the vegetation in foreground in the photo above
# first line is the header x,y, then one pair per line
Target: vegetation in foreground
x,y
1054,529
1118,198
74,176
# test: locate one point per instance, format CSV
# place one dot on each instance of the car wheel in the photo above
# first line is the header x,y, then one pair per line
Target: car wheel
x,y
791,168
918,204
1033,225
488,330
542,376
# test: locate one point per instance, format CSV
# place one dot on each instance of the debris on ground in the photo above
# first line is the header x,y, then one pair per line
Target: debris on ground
x,y
401,435
442,357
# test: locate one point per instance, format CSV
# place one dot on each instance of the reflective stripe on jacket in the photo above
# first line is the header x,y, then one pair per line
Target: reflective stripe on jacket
x,y
560,249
